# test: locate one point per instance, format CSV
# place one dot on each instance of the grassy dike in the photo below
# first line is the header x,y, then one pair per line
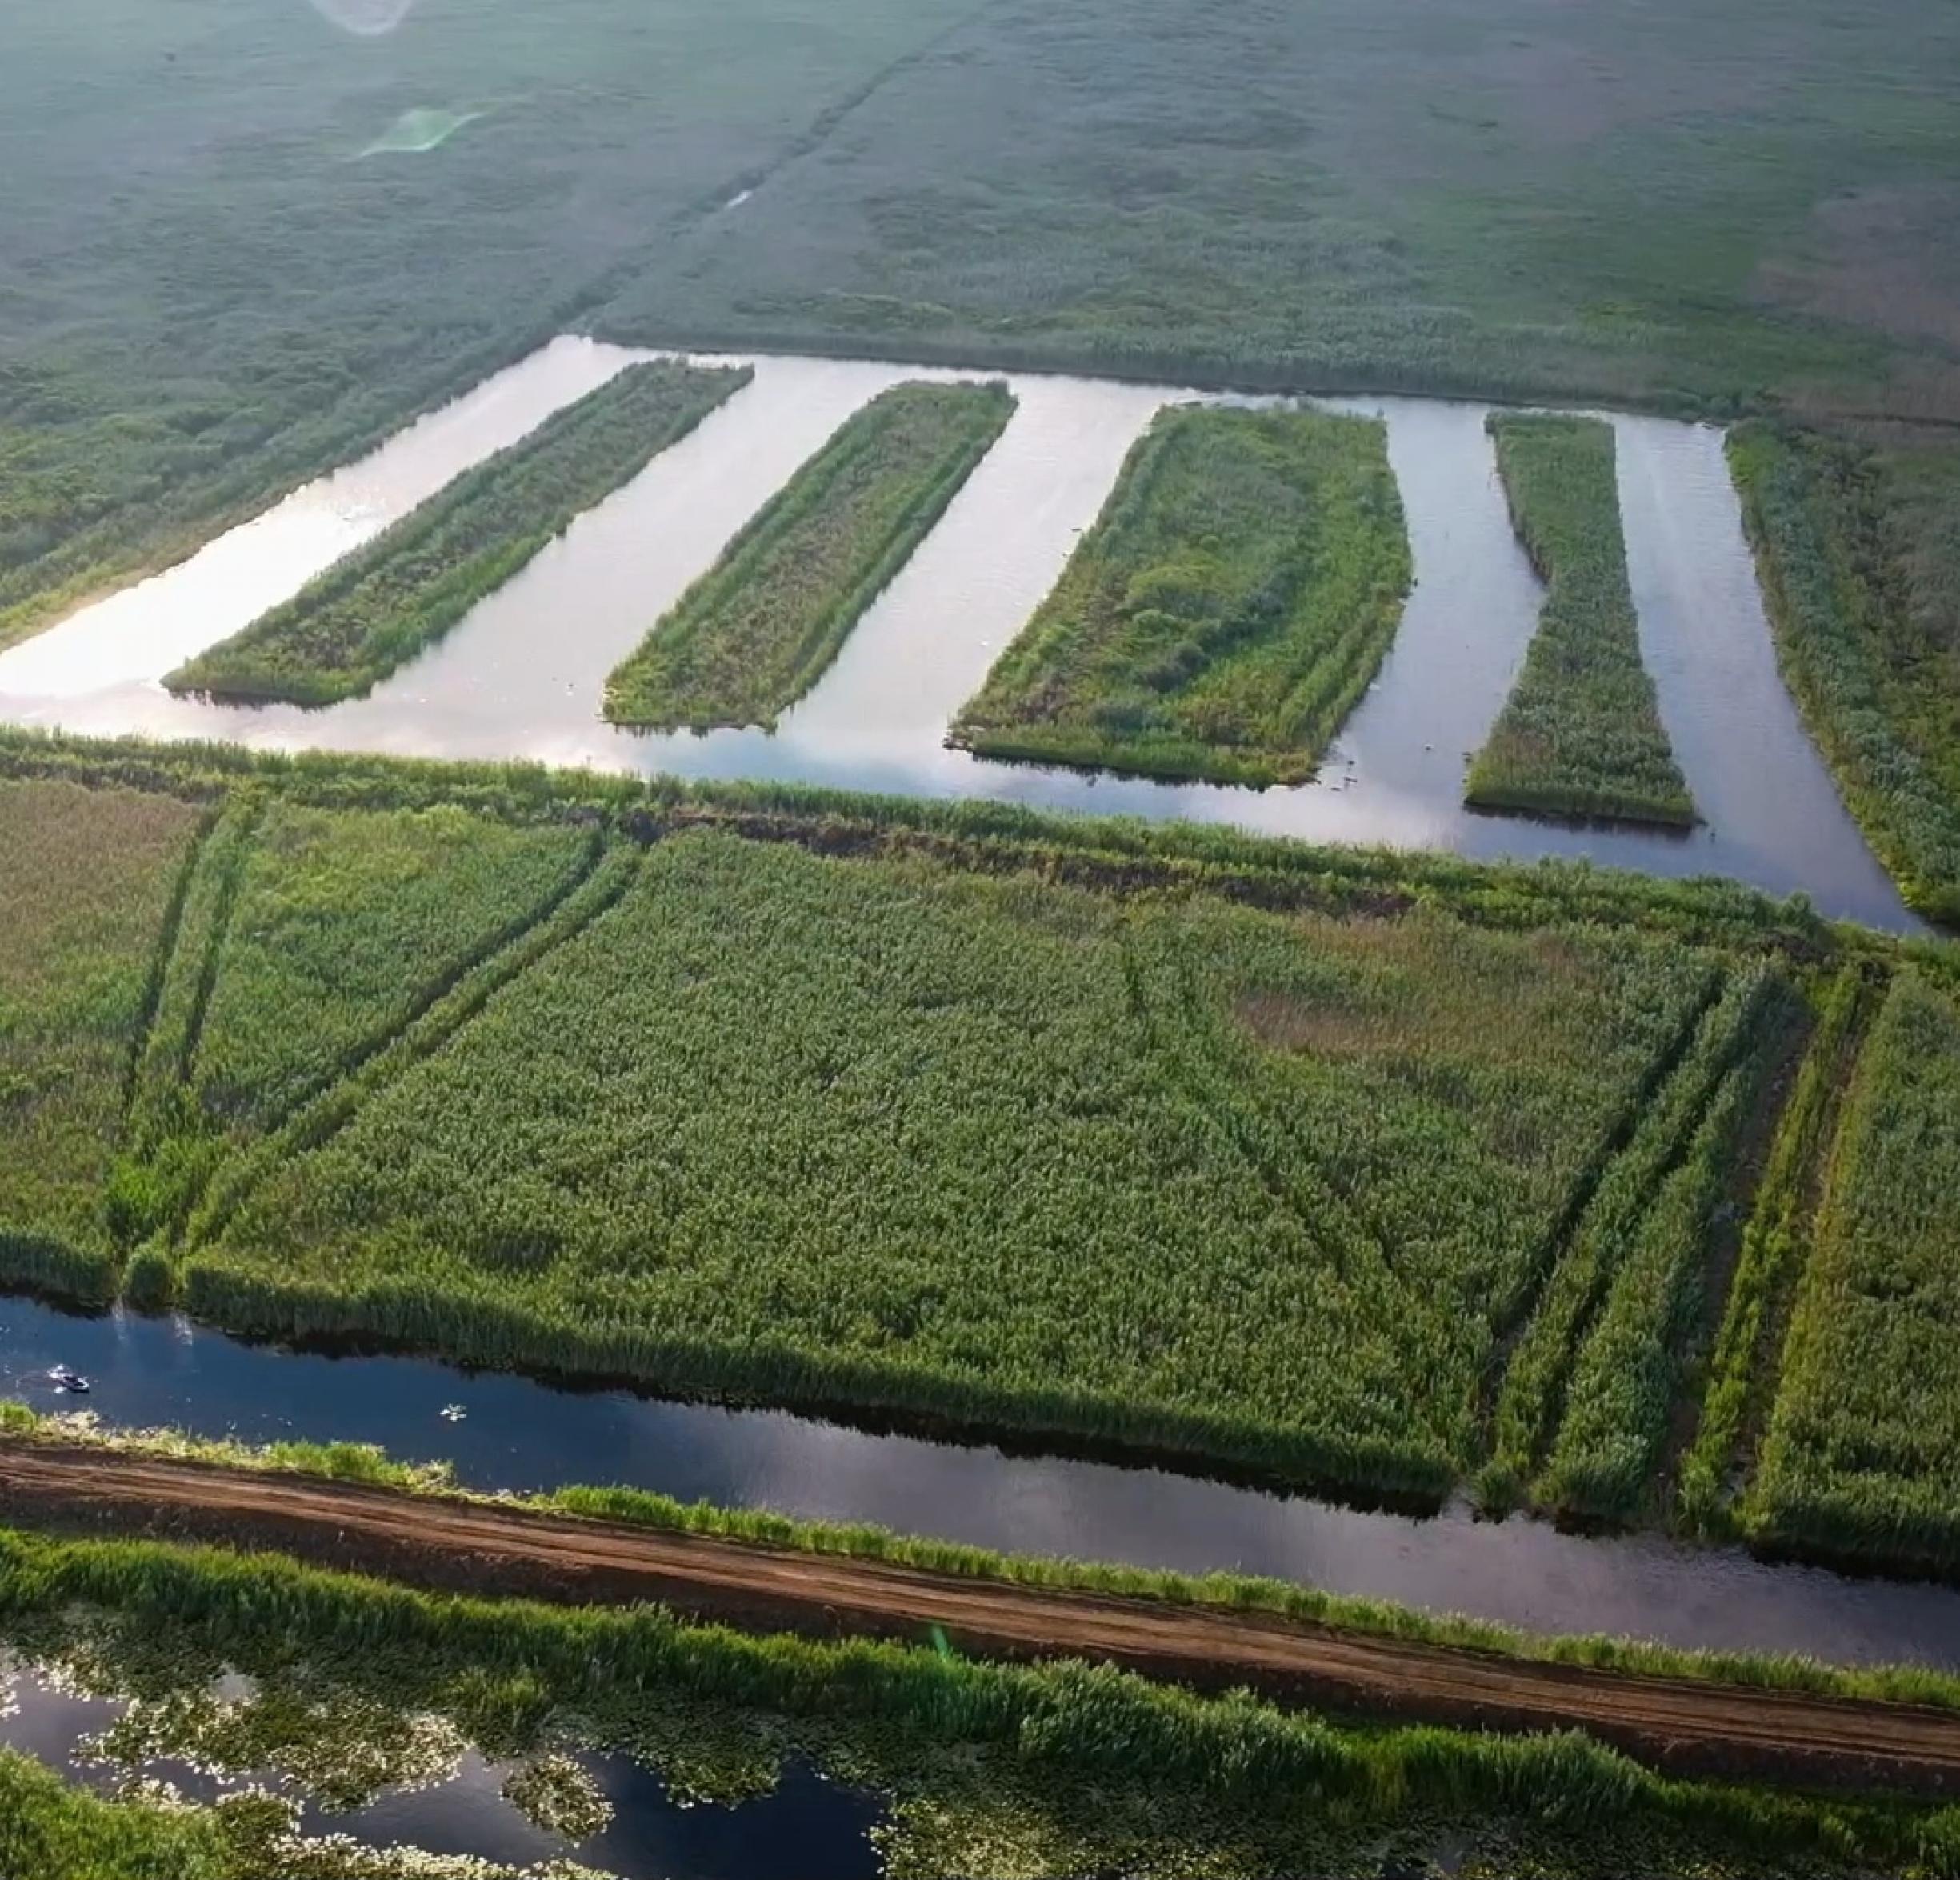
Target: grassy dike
x,y
1070,1767
366,1465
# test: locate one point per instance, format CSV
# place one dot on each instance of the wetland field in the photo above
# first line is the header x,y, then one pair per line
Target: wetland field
x,y
948,942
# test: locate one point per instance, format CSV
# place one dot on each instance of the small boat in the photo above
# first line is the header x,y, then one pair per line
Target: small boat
x,y
452,1413
63,1378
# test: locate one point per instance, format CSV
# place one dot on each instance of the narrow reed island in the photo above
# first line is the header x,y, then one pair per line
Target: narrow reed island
x,y
374,609
1581,734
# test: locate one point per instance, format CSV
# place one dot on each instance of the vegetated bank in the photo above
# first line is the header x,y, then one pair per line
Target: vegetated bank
x,y
378,607
756,632
1044,1770
1858,549
1231,604
1862,1457
1581,734
52,1830
1788,1719
913,1109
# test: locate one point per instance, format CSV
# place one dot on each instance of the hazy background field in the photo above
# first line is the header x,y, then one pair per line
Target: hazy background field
x,y
207,290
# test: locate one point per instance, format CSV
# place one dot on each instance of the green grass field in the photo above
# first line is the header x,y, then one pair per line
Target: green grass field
x,y
377,608
1233,601
1581,734
756,632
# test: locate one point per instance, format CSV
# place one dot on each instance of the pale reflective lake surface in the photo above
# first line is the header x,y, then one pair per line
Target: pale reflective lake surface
x,y
521,677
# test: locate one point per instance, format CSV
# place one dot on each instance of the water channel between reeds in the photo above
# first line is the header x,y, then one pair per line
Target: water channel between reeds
x,y
520,1434
523,675
806,1826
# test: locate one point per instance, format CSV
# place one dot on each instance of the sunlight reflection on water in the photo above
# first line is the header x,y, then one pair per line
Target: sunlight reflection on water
x,y
369,18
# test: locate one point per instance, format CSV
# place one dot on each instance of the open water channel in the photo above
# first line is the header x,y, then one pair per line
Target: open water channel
x,y
519,1434
522,678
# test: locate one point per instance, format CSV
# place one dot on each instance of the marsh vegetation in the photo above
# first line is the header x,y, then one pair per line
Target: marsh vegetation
x,y
1581,734
1232,603
377,608
1859,552
758,629
837,1101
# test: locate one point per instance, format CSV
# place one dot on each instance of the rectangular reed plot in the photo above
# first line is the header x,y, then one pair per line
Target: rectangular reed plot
x,y
309,938
1863,1453
92,881
1233,602
755,633
377,608
1581,734
892,1134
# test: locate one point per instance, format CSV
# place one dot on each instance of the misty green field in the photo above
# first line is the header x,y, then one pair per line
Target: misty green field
x,y
208,289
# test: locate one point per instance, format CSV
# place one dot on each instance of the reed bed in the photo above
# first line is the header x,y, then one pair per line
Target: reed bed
x,y
1626,1375
905,1108
1747,1358
378,607
887,1135
1581,734
756,632
1874,681
1231,606
92,881
1862,1457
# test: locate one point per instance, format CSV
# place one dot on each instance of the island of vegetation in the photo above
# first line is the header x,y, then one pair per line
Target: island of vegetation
x,y
1232,603
922,1109
1859,547
1581,734
376,608
756,632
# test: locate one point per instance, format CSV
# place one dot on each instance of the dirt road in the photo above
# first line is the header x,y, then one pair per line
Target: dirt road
x,y
1680,1723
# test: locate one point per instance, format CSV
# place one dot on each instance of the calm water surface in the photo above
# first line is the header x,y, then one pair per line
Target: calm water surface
x,y
806,1827
519,1434
523,675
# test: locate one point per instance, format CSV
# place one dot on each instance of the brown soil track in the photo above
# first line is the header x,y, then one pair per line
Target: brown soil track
x,y
459,1545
